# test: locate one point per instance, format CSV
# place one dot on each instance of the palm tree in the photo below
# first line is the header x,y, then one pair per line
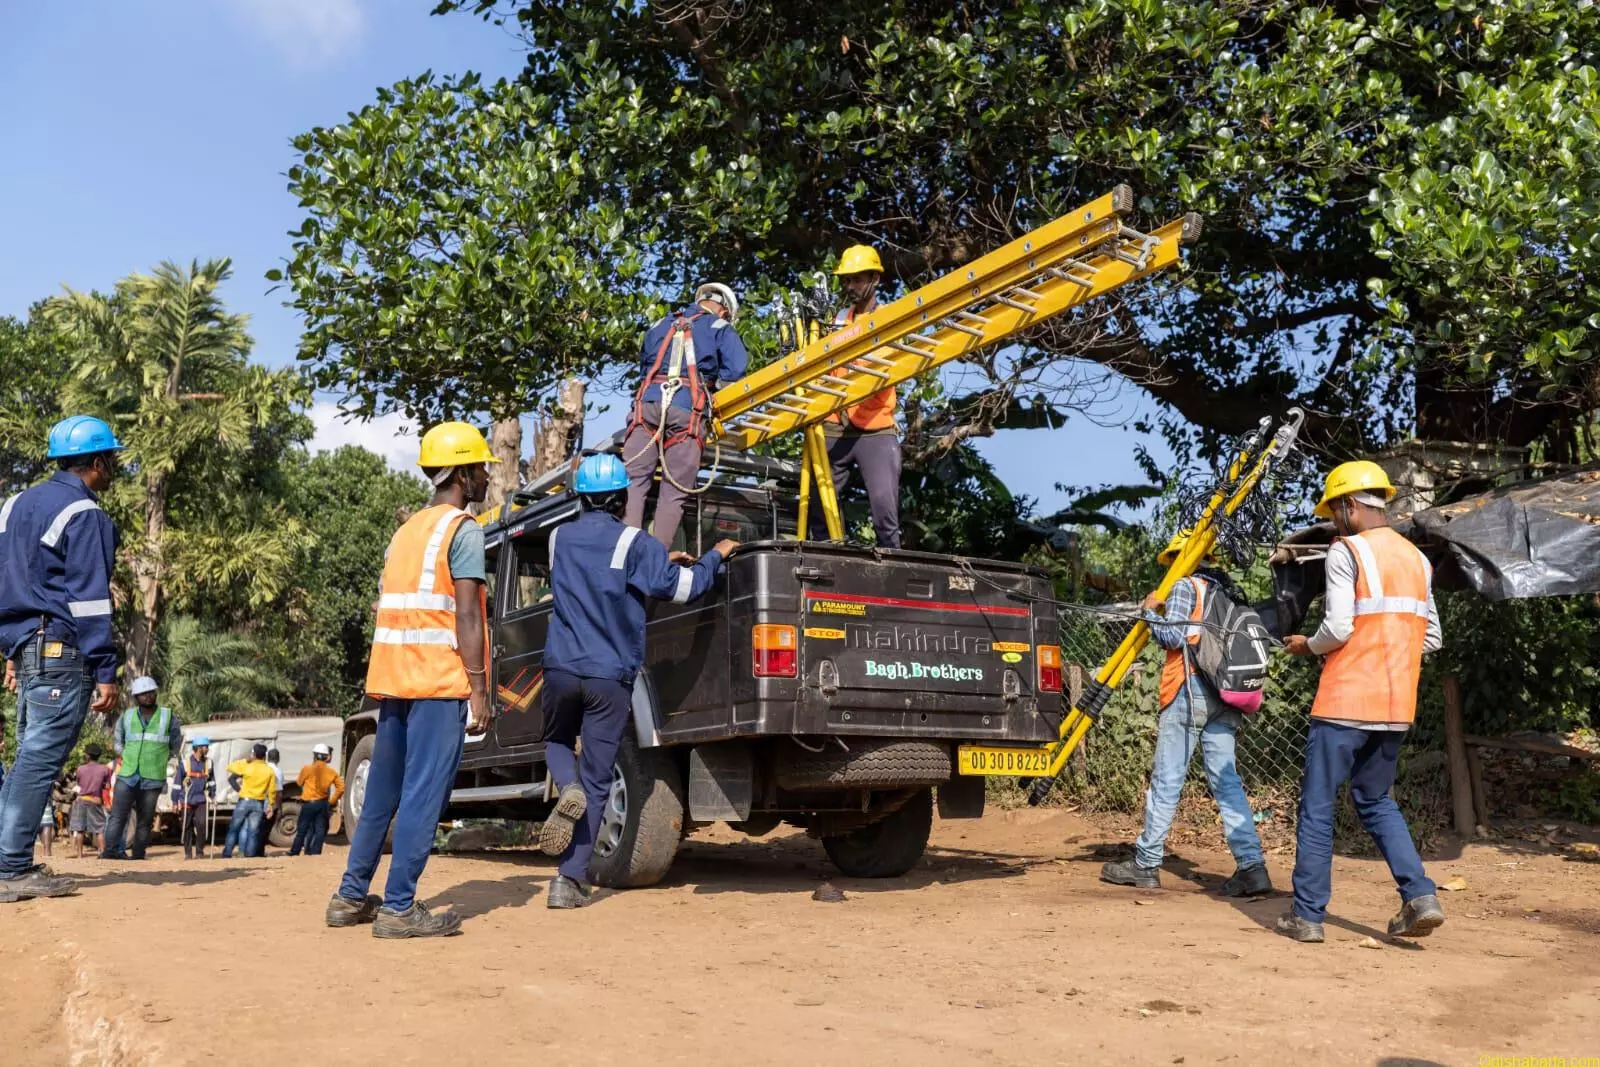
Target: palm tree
x,y
204,672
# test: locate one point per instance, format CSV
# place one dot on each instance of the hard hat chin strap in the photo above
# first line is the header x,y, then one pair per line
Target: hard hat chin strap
x,y
443,476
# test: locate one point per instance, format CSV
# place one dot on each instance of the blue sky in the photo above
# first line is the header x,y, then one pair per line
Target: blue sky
x,y
143,130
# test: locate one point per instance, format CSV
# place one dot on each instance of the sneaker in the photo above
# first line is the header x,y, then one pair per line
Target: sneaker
x,y
342,912
1291,925
415,921
556,833
567,893
1418,917
36,881
1128,872
1247,882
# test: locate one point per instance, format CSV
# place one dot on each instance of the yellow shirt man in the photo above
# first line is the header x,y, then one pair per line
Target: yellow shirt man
x,y
256,780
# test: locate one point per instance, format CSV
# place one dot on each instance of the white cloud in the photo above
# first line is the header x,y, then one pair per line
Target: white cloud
x,y
307,32
391,436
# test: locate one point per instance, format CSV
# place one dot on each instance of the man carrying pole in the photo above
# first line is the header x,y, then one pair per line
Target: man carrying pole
x,y
1378,620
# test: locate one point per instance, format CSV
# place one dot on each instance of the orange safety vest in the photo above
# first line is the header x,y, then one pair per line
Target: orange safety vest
x,y
876,412
1373,676
1175,671
414,644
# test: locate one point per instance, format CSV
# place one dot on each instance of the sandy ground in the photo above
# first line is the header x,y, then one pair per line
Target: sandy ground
x,y
1001,948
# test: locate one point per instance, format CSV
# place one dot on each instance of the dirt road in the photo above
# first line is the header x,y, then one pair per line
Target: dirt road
x,y
1002,948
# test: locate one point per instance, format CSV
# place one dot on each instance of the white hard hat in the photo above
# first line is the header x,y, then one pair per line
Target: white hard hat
x,y
143,684
321,750
722,295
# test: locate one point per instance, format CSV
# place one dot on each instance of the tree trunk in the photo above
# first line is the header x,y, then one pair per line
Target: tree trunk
x,y
558,433
505,477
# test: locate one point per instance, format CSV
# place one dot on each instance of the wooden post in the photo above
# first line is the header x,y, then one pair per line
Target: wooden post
x,y
1480,799
1456,747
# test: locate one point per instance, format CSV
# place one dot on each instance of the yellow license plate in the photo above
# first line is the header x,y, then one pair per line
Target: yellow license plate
x,y
985,759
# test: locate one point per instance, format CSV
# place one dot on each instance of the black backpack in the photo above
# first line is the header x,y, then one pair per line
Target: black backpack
x,y
1234,645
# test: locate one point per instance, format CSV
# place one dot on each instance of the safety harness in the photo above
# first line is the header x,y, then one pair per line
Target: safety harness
x,y
677,351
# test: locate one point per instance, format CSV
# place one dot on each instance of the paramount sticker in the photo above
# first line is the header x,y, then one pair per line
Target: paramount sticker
x,y
943,672
1011,646
838,607
824,633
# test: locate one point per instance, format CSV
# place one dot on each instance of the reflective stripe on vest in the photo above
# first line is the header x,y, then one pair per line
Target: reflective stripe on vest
x,y
414,642
1373,676
876,412
1175,670
145,749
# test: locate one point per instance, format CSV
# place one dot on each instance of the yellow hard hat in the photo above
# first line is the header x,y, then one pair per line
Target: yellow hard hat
x,y
857,259
1175,546
1357,476
454,444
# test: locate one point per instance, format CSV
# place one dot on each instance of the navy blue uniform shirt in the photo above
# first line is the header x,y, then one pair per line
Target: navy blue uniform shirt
x,y
601,573
719,353
57,553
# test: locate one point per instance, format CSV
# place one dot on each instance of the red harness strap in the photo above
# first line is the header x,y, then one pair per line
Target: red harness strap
x,y
699,399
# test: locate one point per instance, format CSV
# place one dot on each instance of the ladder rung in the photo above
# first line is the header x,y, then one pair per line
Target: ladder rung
x,y
787,407
834,379
918,352
973,316
872,371
1019,305
962,327
1029,293
819,387
879,360
1064,276
921,338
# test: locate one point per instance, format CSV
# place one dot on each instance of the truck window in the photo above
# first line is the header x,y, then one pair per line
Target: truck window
x,y
744,515
529,586
491,569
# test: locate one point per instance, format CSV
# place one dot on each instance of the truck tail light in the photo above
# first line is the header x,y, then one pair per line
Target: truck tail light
x,y
1050,668
775,651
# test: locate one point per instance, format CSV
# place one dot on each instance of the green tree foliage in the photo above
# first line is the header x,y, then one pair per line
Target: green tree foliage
x,y
647,145
35,361
205,672
167,364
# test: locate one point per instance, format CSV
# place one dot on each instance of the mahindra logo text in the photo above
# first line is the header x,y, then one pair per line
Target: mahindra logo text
x,y
911,639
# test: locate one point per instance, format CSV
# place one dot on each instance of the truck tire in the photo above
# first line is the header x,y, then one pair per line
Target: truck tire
x,y
642,822
355,776
879,764
888,848
281,833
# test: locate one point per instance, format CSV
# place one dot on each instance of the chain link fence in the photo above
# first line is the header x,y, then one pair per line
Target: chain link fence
x,y
1109,771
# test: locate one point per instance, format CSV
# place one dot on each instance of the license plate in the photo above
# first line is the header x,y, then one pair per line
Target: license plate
x,y
985,759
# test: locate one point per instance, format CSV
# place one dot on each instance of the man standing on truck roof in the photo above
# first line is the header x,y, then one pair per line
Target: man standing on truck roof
x,y
1378,620
429,670
57,553
683,358
320,789
863,435
1191,714
601,573
147,737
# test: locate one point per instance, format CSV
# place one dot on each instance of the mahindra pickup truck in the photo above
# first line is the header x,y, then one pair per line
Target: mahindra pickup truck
x,y
823,685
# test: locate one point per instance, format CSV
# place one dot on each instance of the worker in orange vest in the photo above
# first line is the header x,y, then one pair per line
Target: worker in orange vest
x,y
1192,715
429,673
863,435
1378,620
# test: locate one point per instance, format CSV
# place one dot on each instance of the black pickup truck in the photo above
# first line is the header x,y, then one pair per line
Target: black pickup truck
x,y
822,685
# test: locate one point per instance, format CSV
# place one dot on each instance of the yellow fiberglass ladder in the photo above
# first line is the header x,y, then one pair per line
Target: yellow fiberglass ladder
x,y
1076,258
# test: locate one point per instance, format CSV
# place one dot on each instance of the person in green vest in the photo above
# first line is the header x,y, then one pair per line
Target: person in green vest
x,y
147,737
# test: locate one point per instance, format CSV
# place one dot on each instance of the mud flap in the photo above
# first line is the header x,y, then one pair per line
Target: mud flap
x,y
962,797
721,782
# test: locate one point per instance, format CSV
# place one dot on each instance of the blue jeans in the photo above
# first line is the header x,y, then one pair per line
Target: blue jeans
x,y
53,698
600,709
1176,737
244,829
139,801
414,764
311,828
1366,759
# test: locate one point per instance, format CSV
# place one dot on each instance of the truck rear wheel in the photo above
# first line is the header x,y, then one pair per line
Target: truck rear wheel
x,y
355,794
281,835
642,822
889,847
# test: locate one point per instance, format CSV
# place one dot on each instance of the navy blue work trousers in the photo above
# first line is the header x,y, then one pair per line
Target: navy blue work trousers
x,y
599,710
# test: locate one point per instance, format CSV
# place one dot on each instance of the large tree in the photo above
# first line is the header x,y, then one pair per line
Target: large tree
x,y
1396,194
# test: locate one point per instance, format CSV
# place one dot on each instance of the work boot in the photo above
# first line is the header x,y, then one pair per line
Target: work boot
x,y
1292,925
567,893
415,921
343,912
1418,917
1128,872
36,881
1247,882
556,833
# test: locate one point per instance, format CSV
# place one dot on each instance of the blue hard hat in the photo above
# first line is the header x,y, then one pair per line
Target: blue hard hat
x,y
199,741
601,474
81,435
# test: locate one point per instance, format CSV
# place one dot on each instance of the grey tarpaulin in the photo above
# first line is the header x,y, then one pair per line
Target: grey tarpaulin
x,y
1533,540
